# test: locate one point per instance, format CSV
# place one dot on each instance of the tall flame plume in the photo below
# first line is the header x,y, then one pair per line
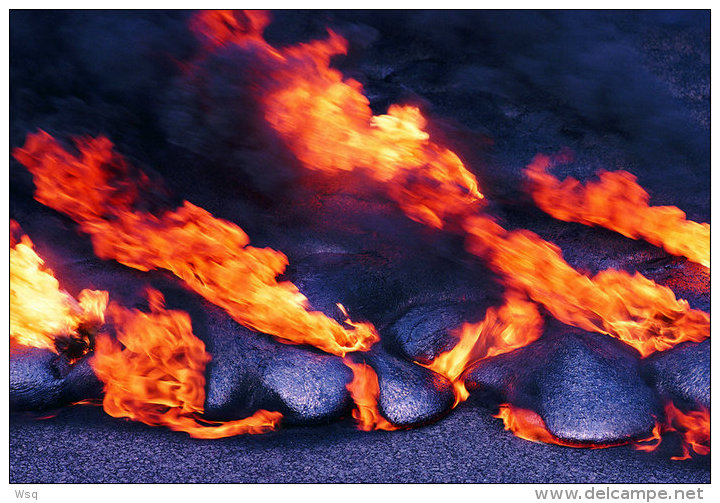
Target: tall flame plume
x,y
327,122
364,390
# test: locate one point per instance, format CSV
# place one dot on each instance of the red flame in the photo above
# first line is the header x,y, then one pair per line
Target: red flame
x,y
327,123
157,377
211,255
39,309
365,390
618,203
225,27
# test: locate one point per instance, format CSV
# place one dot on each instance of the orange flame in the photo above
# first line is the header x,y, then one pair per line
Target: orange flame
x,y
365,390
515,324
211,255
618,203
328,124
39,309
158,378
634,309
693,427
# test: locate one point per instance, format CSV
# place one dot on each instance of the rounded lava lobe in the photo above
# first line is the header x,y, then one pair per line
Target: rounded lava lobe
x,y
410,395
682,372
587,387
34,383
40,379
81,382
589,398
310,387
425,332
250,371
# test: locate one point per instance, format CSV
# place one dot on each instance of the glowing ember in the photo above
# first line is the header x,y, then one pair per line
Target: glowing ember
x,y
693,428
365,390
633,308
158,377
40,310
516,324
327,122
618,203
211,255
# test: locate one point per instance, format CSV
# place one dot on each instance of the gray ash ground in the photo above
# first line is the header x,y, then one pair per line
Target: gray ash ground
x,y
467,446
622,90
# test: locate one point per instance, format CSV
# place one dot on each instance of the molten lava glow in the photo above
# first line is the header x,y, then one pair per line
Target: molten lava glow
x,y
693,428
211,255
528,425
515,324
618,203
327,123
157,377
365,390
39,309
632,308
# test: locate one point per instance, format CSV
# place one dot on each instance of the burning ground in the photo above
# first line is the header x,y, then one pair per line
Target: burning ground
x,y
241,221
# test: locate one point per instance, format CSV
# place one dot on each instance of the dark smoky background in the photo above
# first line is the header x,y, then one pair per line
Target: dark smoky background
x,y
620,89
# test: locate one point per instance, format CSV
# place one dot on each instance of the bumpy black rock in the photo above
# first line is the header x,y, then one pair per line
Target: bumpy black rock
x,y
426,331
410,395
41,379
249,371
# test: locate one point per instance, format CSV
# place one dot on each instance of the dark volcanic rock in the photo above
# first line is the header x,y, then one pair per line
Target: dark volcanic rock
x,y
410,395
587,387
249,371
681,372
40,379
382,285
